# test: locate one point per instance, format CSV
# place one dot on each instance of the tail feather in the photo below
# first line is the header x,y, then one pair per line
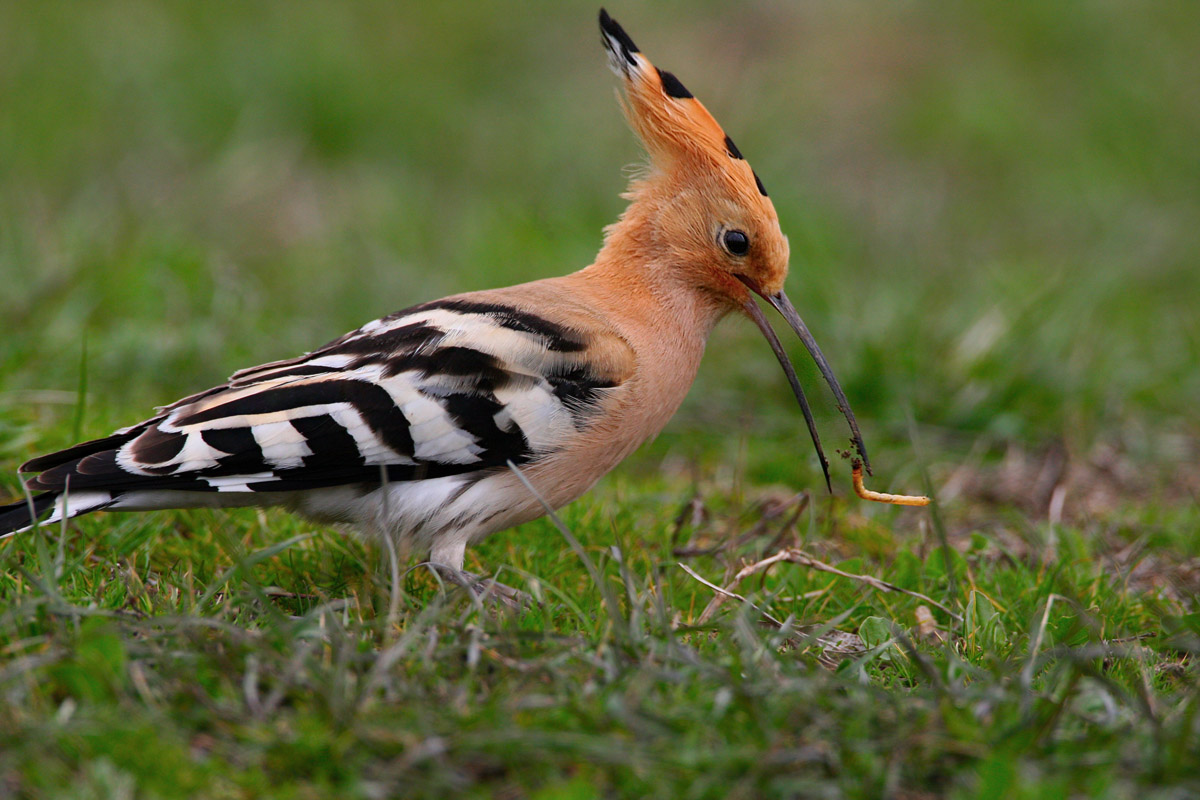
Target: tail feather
x,y
22,515
78,451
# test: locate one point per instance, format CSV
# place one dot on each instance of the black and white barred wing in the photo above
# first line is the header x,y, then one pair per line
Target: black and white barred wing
x,y
443,389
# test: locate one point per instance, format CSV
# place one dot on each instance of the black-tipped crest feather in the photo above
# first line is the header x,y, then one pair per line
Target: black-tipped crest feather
x,y
732,149
613,33
673,86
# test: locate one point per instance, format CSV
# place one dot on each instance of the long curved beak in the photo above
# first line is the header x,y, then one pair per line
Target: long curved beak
x,y
780,302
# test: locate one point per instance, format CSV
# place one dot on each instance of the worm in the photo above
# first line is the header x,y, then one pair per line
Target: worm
x,y
880,497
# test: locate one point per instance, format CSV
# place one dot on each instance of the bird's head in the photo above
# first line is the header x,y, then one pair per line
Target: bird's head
x,y
700,211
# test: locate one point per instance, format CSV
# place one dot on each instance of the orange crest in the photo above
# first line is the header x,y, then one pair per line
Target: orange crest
x,y
675,127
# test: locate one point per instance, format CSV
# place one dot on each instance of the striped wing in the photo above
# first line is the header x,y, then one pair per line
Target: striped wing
x,y
445,388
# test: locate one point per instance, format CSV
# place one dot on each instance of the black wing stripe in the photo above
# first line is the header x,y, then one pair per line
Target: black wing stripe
x,y
673,86
405,338
271,401
379,411
302,371
330,443
244,452
579,390
477,416
245,375
557,337
484,371
15,516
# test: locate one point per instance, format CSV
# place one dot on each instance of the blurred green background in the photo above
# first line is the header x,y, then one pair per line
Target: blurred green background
x,y
994,215
994,209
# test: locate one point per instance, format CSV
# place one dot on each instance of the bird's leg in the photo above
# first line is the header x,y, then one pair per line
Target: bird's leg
x,y
446,558
484,589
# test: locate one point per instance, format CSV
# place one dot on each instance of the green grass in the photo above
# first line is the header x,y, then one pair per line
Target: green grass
x,y
994,214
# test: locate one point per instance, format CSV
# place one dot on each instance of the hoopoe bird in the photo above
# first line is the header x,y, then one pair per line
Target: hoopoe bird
x,y
425,424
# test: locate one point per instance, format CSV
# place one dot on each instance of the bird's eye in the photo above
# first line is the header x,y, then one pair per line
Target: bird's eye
x,y
736,242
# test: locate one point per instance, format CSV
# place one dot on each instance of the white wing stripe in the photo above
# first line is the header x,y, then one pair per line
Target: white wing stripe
x,y
370,448
283,447
238,483
540,415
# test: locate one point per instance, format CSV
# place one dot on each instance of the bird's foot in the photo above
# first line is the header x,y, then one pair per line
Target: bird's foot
x,y
485,590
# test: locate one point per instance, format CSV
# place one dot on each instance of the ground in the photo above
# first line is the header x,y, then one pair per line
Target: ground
x,y
994,215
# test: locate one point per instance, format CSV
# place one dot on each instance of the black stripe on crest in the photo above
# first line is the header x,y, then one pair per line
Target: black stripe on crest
x,y
758,182
610,27
732,149
673,86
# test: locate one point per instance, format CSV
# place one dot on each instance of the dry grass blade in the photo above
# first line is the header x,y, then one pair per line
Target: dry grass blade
x,y
722,594
832,646
793,555
717,600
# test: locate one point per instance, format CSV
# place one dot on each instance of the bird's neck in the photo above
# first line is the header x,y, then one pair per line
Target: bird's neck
x,y
663,318
632,276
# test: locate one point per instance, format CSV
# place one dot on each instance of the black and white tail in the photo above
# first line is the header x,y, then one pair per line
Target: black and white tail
x,y
20,516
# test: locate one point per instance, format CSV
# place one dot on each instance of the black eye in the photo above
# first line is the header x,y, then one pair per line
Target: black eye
x,y
736,242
